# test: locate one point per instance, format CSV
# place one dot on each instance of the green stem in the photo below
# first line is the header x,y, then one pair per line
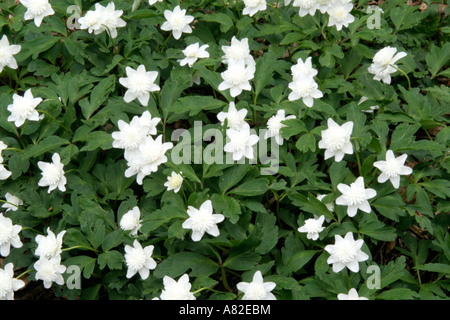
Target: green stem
x,y
80,247
206,288
24,273
404,73
276,11
53,118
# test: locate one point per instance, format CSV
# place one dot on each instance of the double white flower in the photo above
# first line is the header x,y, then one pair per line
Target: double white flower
x,y
202,220
131,221
312,227
24,108
9,235
139,83
392,168
257,289
7,53
103,18
177,290
253,6
177,21
336,140
52,174
37,10
274,125
240,67
346,253
339,13
192,53
139,260
383,64
8,284
303,85
12,202
355,196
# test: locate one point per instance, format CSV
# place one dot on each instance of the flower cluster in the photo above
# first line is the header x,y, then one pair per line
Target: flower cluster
x,y
143,153
303,85
103,19
49,268
338,10
240,67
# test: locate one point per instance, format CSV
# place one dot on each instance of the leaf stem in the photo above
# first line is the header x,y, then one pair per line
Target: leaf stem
x,y
404,73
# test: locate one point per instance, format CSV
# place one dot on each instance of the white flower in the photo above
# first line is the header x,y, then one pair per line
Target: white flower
x,y
304,88
352,295
257,289
392,168
50,270
152,2
324,5
330,206
9,235
49,246
147,157
346,252
194,52
253,6
174,182
130,221
235,119
12,202
177,22
177,290
312,227
236,78
7,52
8,284
274,125
336,140
37,10
24,108
383,64
139,260
339,14
241,143
202,220
371,108
306,7
4,173
238,51
131,135
355,197
92,20
139,83
103,18
3,146
303,69
52,174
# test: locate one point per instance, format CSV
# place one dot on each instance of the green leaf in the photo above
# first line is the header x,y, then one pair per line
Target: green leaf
x,y
378,230
251,188
179,263
224,20
435,267
47,144
306,142
390,206
195,104
99,95
232,176
397,294
113,259
86,264
227,206
35,46
299,260
96,140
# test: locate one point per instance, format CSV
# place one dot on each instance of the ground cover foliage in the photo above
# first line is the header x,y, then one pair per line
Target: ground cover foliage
x,y
76,74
